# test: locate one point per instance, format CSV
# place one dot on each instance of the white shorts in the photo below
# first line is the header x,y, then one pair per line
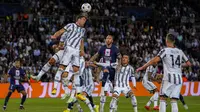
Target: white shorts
x,y
124,90
108,86
89,89
71,55
148,85
170,90
58,56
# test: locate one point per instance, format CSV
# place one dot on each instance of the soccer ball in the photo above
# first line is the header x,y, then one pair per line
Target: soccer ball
x,y
86,7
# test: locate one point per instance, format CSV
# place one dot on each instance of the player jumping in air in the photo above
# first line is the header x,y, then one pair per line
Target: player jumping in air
x,y
172,58
109,53
16,74
122,84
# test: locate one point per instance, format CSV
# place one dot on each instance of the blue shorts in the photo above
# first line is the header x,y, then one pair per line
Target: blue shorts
x,y
111,73
19,88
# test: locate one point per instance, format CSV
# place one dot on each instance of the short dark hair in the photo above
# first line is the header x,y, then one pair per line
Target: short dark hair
x,y
17,59
82,15
171,38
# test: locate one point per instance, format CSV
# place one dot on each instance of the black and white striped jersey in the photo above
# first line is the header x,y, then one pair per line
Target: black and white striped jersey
x,y
74,35
172,59
122,77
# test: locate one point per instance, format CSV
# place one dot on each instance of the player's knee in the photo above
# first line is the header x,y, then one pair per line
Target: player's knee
x,y
61,67
105,70
75,68
85,94
130,94
162,98
65,74
23,93
115,96
52,61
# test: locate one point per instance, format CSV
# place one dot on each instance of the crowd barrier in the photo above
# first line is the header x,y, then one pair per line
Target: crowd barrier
x,y
43,90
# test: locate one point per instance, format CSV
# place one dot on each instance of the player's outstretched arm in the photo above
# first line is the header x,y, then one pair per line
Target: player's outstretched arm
x,y
58,33
153,61
82,52
93,58
119,57
186,64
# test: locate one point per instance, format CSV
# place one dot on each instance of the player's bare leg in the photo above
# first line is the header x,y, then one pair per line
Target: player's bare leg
x,y
57,78
23,99
44,69
95,107
153,99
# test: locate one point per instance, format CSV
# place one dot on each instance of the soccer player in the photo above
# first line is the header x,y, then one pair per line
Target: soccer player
x,y
52,61
172,58
109,53
150,74
122,84
16,74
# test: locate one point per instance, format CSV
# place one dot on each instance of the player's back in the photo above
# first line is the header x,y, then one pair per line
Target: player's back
x,y
172,59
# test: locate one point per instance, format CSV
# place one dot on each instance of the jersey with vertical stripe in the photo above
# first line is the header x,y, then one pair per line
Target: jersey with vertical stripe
x,y
122,77
87,76
172,59
150,69
74,35
16,74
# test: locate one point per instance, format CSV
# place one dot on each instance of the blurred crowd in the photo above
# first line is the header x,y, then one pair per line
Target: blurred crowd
x,y
142,40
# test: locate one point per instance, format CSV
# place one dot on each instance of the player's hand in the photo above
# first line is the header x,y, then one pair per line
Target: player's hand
x,y
53,37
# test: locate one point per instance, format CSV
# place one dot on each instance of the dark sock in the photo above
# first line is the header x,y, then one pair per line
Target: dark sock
x,y
104,79
7,98
181,99
91,100
23,99
70,105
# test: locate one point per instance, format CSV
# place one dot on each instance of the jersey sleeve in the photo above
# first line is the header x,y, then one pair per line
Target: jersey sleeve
x,y
63,37
10,72
68,27
100,51
184,57
162,53
149,69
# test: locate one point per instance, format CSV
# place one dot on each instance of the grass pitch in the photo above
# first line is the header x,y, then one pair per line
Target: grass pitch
x,y
58,105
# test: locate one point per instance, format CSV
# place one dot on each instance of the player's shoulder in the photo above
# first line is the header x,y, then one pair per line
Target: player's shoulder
x,y
174,50
131,67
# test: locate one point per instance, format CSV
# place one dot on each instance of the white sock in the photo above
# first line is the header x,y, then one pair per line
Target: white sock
x,y
150,101
113,104
134,102
78,105
174,106
73,92
65,85
89,105
102,103
45,68
57,78
162,107
155,99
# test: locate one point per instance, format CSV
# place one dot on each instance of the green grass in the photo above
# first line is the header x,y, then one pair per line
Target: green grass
x,y
57,105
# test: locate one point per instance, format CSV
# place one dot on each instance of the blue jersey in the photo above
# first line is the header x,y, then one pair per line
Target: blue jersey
x,y
109,55
15,75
